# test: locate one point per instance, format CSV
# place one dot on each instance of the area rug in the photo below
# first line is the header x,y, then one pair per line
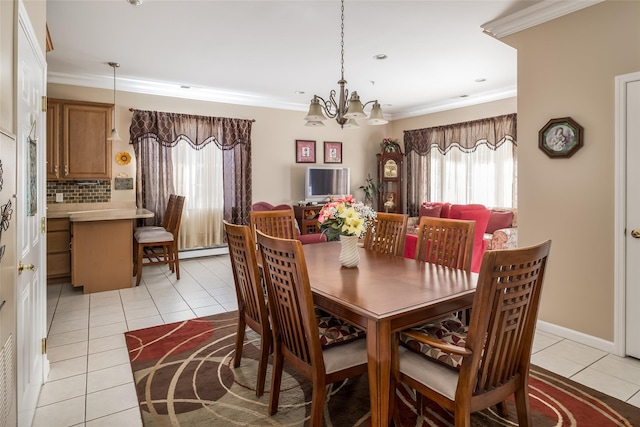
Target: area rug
x,y
184,376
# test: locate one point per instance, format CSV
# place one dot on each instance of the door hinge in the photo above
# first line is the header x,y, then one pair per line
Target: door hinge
x,y
44,104
44,346
43,226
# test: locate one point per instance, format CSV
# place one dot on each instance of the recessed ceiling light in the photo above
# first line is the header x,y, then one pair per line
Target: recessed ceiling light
x,y
464,96
299,92
185,87
480,80
380,56
135,2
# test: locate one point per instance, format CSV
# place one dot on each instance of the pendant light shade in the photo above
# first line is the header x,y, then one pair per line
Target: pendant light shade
x,y
114,132
315,112
351,124
355,109
376,117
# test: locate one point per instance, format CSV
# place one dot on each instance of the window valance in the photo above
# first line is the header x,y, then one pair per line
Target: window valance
x,y
169,128
466,136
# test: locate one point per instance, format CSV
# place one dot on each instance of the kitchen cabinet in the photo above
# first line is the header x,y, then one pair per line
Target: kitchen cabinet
x,y
77,146
102,255
58,250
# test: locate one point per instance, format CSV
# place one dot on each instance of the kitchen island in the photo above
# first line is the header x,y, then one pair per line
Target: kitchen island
x,y
102,246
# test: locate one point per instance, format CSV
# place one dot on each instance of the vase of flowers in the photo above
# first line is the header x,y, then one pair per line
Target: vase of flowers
x,y
346,220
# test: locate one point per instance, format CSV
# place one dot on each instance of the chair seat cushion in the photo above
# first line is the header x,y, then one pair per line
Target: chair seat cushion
x,y
147,228
154,236
449,329
334,331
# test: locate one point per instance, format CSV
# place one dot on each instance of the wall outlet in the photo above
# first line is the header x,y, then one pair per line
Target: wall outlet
x,y
59,197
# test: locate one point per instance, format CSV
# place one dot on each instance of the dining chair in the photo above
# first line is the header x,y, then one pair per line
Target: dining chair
x,y
159,246
252,302
447,242
323,350
276,223
487,361
387,233
166,217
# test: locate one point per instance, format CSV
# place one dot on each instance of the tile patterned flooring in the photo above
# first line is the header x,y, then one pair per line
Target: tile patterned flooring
x,y
90,383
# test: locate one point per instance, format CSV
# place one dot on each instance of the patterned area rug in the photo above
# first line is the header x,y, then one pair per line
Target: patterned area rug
x,y
185,377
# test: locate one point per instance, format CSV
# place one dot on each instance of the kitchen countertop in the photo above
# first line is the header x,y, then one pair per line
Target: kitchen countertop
x,y
77,213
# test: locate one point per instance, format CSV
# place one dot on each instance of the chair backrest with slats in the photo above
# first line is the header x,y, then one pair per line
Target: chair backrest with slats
x,y
447,242
387,234
503,317
276,223
171,204
291,306
249,289
173,224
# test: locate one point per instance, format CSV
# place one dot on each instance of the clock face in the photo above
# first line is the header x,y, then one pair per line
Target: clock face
x,y
390,169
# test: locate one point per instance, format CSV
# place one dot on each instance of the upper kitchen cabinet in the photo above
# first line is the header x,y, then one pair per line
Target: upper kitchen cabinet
x,y
77,146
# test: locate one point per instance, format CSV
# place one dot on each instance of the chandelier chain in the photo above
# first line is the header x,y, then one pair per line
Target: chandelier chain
x,y
342,40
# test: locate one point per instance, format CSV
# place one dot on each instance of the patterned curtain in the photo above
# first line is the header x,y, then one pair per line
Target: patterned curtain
x,y
465,137
154,134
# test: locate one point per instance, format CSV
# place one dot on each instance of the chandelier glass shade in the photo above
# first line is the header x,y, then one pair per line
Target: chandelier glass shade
x,y
347,107
114,132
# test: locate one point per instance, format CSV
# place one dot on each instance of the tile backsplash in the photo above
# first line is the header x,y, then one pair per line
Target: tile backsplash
x,y
79,191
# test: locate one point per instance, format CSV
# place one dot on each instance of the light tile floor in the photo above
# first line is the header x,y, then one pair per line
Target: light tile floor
x,y
90,383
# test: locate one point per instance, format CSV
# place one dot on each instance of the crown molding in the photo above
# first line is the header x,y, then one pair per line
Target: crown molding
x,y
481,98
149,87
539,13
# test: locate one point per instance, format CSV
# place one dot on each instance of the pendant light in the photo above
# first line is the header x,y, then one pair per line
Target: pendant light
x,y
114,132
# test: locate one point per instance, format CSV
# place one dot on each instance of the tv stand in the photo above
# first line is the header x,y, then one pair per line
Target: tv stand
x,y
307,217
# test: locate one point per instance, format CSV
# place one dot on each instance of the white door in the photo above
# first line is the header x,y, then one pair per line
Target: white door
x,y
632,237
30,211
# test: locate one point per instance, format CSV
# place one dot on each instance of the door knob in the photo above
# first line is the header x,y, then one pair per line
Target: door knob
x,y
22,266
635,233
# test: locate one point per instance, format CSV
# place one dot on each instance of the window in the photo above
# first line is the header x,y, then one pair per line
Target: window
x,y
471,162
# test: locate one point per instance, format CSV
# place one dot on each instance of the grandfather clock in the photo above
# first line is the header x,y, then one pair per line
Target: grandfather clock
x,y
390,176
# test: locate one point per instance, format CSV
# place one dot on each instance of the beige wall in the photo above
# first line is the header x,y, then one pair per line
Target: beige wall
x,y
37,11
276,176
566,67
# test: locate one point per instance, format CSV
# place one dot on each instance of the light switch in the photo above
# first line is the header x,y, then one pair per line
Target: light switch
x,y
59,197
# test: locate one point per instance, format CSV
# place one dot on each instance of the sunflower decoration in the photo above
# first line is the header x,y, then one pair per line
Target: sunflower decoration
x,y
123,158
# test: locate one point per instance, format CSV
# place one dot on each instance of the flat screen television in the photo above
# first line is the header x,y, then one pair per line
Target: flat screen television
x,y
320,183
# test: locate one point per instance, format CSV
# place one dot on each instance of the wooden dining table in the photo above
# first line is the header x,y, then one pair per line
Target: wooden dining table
x,y
383,295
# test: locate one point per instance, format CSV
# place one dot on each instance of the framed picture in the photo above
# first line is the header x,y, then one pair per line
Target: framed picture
x,y
560,137
332,152
305,151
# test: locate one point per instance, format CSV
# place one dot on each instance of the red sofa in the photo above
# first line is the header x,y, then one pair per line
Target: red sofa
x,y
473,212
304,238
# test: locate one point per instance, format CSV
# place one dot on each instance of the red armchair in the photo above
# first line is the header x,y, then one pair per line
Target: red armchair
x,y
305,239
475,212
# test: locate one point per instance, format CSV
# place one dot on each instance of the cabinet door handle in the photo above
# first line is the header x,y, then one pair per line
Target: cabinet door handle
x,y
66,170
55,170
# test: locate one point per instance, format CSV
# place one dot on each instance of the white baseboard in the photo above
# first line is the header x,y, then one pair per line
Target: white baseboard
x,y
576,336
198,253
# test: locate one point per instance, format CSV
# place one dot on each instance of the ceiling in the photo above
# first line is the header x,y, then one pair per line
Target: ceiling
x,y
262,52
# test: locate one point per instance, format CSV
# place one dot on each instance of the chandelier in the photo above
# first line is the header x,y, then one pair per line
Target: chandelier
x,y
345,112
